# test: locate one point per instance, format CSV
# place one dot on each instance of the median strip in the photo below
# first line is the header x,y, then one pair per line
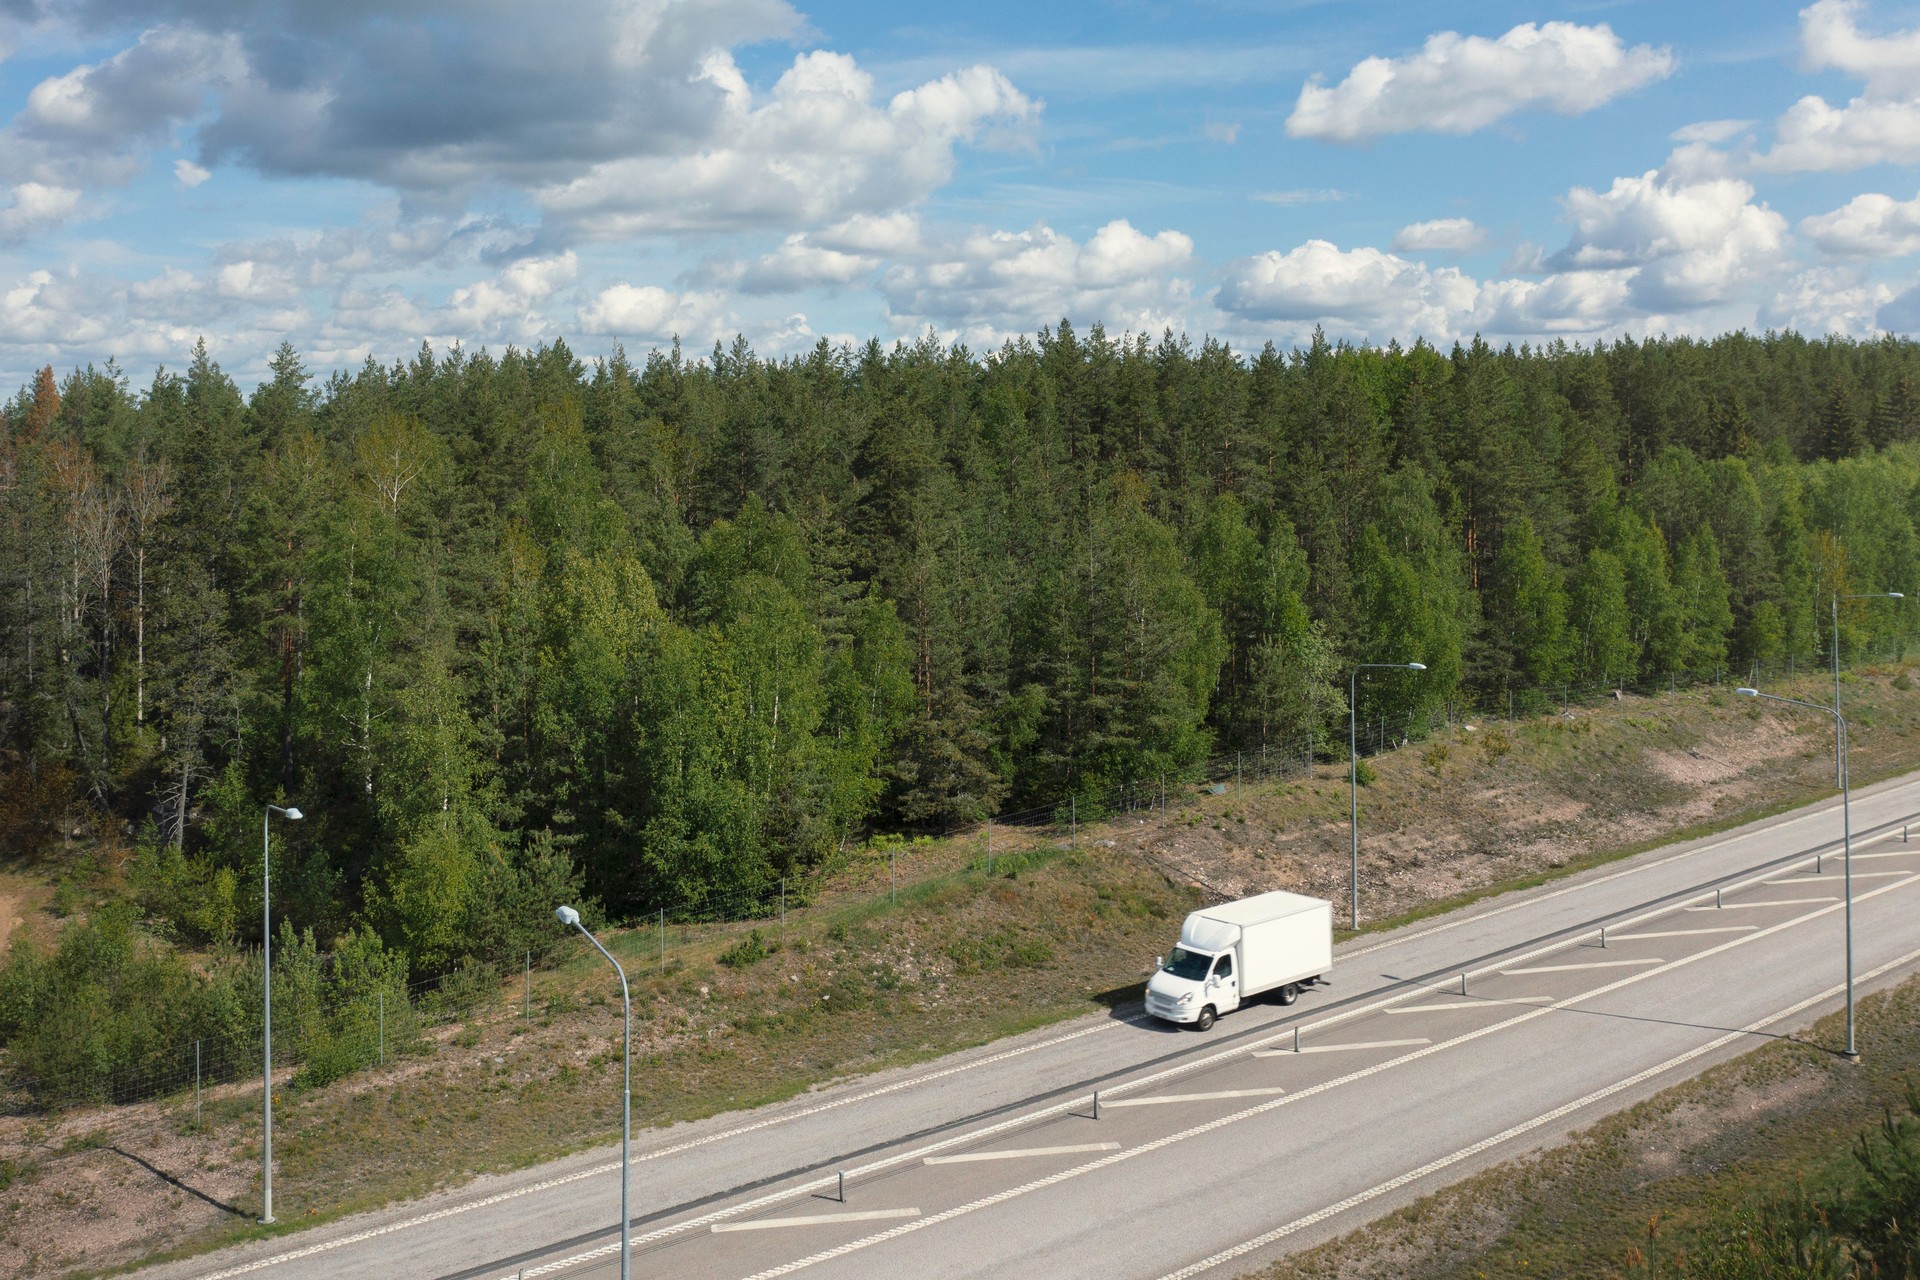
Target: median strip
x,y
1189,1097
1023,1152
1336,1048
814,1220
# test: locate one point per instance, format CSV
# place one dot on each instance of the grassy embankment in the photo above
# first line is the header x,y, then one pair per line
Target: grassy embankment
x,y
857,983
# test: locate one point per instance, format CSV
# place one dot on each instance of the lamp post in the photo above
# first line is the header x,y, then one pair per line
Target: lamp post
x,y
292,814
1839,759
1846,839
1353,764
568,916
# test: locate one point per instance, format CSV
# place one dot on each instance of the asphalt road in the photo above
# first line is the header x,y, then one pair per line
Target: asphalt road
x,y
1213,1152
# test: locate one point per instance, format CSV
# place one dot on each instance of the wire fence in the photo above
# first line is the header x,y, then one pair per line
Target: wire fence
x,y
316,1041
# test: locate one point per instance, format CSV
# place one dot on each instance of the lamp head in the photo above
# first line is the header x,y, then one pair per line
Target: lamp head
x,y
1748,693
1895,595
1416,666
567,916
293,812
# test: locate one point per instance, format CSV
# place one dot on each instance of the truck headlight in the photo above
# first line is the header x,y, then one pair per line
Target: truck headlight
x,y
1186,999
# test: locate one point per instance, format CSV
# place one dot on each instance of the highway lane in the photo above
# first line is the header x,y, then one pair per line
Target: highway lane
x,y
1174,1190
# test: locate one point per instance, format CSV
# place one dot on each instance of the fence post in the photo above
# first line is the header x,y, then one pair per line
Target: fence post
x,y
382,997
663,939
893,874
1073,819
783,902
1236,770
989,846
1163,793
196,1084
529,1009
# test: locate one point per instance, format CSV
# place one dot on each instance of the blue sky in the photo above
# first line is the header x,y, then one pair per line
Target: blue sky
x,y
355,178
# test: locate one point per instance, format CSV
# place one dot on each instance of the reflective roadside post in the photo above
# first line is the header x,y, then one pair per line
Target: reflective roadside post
x,y
1846,837
1353,766
291,814
568,916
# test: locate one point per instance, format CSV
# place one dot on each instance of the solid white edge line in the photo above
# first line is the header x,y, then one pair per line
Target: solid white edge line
x,y
1313,1090
1491,1002
814,1220
1858,875
438,1215
1755,906
1505,1135
1346,1015
1022,1153
1682,933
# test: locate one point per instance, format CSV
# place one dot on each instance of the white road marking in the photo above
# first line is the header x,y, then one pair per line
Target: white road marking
x,y
1062,1108
1858,875
1891,853
813,1220
1682,933
987,1202
1191,1097
1022,1153
548,1184
1527,1126
1755,906
1589,964
1473,1004
1337,1048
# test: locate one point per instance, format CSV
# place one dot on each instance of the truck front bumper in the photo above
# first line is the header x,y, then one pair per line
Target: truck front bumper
x,y
1171,1009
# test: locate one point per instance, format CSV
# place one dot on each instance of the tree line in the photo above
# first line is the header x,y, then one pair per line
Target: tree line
x,y
518,627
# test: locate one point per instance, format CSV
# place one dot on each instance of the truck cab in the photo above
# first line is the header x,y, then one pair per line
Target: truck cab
x,y
1194,986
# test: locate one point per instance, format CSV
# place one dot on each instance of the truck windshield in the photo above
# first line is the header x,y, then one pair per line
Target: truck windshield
x,y
1191,965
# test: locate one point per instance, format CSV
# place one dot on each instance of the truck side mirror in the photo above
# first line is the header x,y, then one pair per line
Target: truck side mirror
x,y
1159,962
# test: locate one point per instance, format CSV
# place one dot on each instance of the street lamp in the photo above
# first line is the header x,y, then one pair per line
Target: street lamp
x,y
568,916
1353,764
1839,760
292,814
1846,838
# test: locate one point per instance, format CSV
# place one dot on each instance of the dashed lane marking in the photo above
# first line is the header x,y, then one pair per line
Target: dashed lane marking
x,y
1022,1153
814,1220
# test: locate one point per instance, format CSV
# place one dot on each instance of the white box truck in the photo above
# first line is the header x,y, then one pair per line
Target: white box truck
x,y
1278,942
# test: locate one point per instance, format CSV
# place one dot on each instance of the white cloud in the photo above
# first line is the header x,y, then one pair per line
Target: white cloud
x,y
987,285
1215,131
1459,84
1692,243
36,207
1366,291
1867,226
1442,235
1570,302
510,304
798,264
1828,300
1881,126
1304,195
1710,131
648,313
188,174
817,151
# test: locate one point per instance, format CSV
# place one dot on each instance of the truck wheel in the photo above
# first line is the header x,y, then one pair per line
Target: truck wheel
x,y
1289,993
1205,1020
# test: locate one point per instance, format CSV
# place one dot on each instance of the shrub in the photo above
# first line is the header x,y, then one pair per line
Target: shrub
x,y
1434,757
1496,743
750,950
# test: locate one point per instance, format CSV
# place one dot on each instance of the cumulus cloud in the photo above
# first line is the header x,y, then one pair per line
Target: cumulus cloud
x,y
188,174
798,264
1881,126
1828,300
1459,84
988,284
36,206
1442,235
511,303
1366,291
818,150
1690,244
1867,226
648,313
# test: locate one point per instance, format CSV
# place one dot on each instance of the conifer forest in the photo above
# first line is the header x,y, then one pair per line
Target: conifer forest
x,y
515,627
